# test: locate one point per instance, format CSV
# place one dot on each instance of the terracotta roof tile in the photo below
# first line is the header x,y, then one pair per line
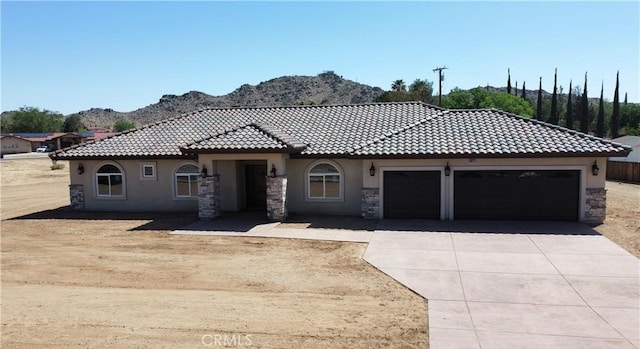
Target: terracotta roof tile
x,y
365,130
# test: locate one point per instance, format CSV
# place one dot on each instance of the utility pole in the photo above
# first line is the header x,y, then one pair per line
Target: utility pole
x,y
440,78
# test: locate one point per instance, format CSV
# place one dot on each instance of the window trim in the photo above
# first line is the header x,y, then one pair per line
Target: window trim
x,y
174,181
307,182
122,173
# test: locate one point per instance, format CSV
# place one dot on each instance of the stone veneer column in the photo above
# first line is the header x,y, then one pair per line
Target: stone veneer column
x,y
76,194
209,197
277,198
595,205
370,203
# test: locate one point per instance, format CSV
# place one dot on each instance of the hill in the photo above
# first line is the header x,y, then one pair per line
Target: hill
x,y
325,88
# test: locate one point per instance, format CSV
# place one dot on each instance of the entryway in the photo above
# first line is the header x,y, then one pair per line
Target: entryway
x,y
255,177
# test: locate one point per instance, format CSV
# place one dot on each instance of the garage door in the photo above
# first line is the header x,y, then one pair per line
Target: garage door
x,y
412,194
517,195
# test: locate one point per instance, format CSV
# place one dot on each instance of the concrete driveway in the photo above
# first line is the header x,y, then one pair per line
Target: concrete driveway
x,y
514,284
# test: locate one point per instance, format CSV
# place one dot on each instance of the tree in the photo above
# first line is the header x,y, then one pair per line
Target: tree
x,y
524,90
630,119
625,96
31,120
615,116
539,105
600,120
569,116
422,90
123,125
73,123
458,99
554,117
516,90
507,102
508,81
398,86
584,109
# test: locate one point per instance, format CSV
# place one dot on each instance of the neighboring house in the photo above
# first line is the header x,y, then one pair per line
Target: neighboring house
x,y
626,168
97,134
634,143
54,140
385,160
14,144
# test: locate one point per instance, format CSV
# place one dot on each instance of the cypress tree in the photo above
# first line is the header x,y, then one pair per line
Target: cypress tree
x,y
569,117
516,90
625,98
509,81
554,118
600,121
584,109
615,117
539,108
524,90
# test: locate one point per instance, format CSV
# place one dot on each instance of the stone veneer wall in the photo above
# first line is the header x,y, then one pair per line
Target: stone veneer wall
x,y
370,203
209,197
76,194
277,198
595,205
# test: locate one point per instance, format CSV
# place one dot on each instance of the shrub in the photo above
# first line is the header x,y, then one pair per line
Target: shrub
x,y
56,166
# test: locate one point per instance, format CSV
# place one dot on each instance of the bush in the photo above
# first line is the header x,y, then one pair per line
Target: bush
x,y
56,166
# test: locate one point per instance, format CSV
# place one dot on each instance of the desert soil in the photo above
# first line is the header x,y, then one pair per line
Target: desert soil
x,y
104,280
120,280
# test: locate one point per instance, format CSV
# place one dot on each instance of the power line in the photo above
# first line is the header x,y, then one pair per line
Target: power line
x,y
440,78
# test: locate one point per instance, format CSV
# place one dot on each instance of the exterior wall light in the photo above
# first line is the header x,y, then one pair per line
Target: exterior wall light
x,y
595,169
447,170
80,168
203,173
273,170
372,170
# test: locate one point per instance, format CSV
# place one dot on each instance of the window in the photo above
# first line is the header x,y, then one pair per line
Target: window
x,y
186,181
147,170
110,181
324,182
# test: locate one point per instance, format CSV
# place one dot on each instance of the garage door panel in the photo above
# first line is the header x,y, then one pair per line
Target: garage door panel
x,y
516,194
412,194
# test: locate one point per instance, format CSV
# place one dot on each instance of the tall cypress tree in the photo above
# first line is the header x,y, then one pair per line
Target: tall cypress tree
x,y
569,116
554,118
524,90
625,98
539,105
509,81
600,121
615,117
516,90
584,109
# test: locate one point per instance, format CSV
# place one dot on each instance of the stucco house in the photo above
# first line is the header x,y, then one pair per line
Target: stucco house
x,y
13,144
379,160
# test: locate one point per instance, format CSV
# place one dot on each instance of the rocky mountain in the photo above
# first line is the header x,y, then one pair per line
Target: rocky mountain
x,y
325,88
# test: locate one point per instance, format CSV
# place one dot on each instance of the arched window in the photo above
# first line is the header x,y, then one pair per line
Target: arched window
x,y
110,181
186,181
324,181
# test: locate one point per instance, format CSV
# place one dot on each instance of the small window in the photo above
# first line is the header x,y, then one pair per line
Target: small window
x,y
110,181
324,182
186,181
148,170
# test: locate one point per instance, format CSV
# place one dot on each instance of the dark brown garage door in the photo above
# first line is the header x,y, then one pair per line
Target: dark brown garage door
x,y
412,194
517,195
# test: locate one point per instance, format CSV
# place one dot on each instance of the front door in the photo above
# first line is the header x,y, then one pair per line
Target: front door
x,y
256,185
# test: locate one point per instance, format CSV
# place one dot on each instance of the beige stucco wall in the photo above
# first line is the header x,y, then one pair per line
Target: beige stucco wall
x,y
583,164
350,204
13,145
140,194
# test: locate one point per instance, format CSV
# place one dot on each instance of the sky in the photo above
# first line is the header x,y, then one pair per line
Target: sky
x,y
72,56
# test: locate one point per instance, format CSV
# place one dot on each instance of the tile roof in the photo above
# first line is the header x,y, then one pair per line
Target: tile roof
x,y
409,129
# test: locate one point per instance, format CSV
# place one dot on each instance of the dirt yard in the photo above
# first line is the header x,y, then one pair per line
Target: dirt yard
x,y
120,280
93,281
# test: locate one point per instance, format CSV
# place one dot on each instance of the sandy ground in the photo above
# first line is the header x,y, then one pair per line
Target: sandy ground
x,y
105,280
120,280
